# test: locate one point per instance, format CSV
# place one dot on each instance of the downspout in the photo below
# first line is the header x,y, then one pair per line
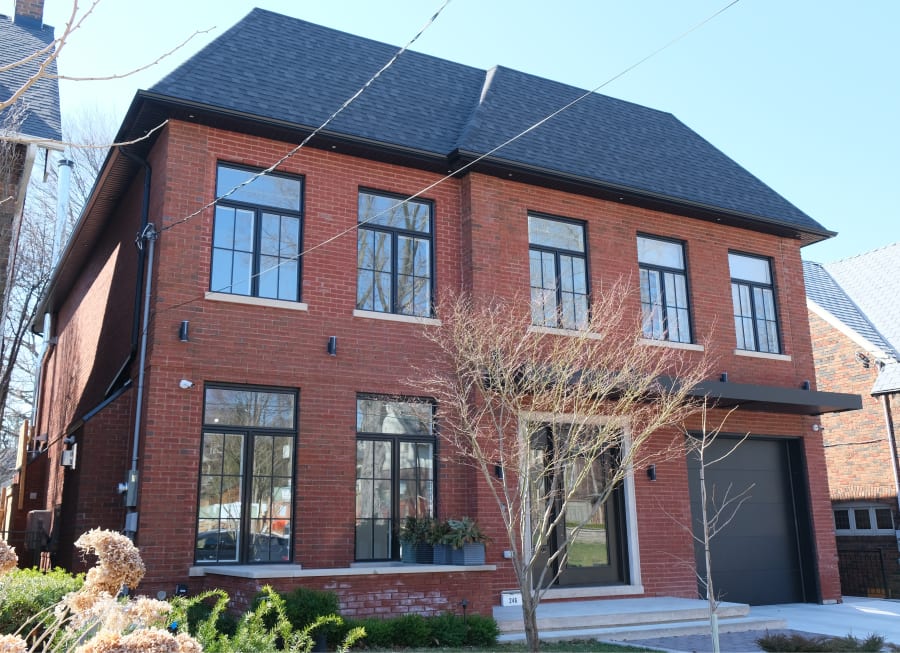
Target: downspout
x,y
150,235
63,186
147,233
892,438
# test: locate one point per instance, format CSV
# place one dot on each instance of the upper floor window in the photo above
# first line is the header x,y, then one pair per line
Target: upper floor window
x,y
753,295
394,260
394,471
257,235
559,287
664,296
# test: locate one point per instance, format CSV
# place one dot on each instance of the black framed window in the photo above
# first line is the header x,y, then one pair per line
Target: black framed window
x,y
257,235
245,506
753,297
558,268
394,471
394,255
664,289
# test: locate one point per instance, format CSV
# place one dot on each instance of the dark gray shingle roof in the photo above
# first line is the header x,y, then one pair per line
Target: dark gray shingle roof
x,y
18,40
289,70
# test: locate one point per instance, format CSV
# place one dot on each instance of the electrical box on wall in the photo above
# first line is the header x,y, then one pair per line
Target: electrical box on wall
x,y
68,457
131,489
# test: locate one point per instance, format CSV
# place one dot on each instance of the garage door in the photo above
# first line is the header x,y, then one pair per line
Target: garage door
x,y
765,554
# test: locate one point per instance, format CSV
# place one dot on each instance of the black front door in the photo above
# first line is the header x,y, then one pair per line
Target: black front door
x,y
589,536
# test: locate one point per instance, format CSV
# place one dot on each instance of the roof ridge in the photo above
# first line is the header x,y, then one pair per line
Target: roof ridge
x,y
866,253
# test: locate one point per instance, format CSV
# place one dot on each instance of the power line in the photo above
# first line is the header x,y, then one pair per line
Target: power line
x,y
456,172
318,129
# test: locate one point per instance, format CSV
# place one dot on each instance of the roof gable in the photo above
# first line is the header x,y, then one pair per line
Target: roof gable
x,y
19,40
861,293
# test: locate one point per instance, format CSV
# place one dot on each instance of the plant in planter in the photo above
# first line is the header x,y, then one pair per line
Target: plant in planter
x,y
414,540
466,541
440,530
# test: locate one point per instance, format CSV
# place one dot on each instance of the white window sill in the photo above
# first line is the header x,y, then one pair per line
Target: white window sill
x,y
761,354
394,317
297,571
571,333
671,344
255,301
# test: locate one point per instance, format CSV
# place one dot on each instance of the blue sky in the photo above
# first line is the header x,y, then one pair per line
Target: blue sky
x,y
805,94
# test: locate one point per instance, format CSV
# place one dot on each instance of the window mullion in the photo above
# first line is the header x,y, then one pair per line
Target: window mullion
x,y
257,253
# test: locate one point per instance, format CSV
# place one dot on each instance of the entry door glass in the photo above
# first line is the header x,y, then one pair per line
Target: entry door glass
x,y
589,532
588,546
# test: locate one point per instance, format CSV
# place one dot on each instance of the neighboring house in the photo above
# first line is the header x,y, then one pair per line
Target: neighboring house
x,y
29,126
855,323
252,448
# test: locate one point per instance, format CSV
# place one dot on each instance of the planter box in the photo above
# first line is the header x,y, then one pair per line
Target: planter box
x,y
416,553
442,554
469,554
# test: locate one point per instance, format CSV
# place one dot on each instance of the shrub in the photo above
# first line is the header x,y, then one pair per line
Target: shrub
x,y
482,631
410,631
379,632
201,611
802,644
26,592
447,630
303,606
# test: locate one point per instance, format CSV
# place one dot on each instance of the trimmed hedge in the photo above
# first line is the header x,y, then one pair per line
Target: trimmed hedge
x,y
26,592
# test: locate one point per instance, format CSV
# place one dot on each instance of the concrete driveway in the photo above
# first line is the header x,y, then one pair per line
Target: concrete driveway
x,y
855,616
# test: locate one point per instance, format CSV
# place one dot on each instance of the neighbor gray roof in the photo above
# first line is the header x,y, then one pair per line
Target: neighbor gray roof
x,y
287,70
19,40
863,292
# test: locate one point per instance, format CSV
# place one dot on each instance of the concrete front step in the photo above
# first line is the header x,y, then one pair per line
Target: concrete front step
x,y
650,631
629,619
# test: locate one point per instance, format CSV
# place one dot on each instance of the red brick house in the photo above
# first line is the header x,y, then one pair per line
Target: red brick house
x,y
256,414
855,324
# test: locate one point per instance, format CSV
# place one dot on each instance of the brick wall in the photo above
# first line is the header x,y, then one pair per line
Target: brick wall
x,y
480,242
856,443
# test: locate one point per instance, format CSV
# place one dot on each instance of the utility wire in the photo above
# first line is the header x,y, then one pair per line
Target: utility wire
x,y
318,129
448,176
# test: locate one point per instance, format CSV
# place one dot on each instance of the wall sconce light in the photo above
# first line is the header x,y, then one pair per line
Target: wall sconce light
x,y
183,331
723,377
332,346
805,385
185,384
817,428
863,359
651,472
498,471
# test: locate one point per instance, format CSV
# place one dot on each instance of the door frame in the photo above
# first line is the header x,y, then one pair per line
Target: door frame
x,y
632,563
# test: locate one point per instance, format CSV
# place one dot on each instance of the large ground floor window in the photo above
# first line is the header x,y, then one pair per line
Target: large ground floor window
x,y
245,505
394,471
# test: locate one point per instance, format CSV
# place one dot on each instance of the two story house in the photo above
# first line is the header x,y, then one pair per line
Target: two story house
x,y
230,382
855,324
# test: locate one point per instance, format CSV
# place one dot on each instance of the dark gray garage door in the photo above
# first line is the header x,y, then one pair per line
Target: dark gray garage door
x,y
765,555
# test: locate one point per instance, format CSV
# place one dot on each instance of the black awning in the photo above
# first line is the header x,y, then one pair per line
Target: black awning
x,y
776,399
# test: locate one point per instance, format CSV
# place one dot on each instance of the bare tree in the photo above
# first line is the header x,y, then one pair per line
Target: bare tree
x,y
41,64
555,422
34,265
718,507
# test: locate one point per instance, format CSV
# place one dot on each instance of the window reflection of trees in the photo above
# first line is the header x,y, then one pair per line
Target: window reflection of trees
x,y
232,498
394,471
383,284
